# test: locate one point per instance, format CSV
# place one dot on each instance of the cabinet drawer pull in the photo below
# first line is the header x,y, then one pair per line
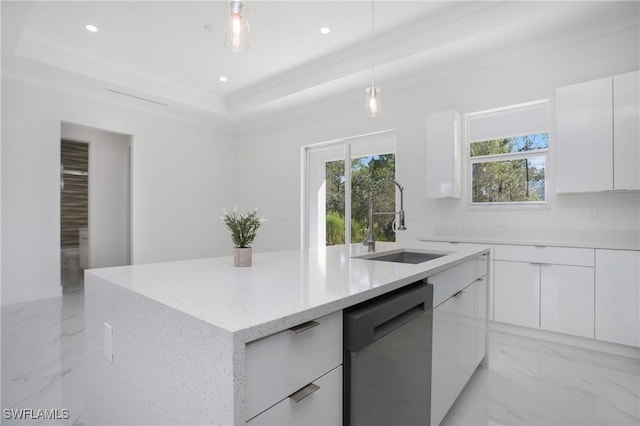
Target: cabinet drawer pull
x,y
304,326
301,394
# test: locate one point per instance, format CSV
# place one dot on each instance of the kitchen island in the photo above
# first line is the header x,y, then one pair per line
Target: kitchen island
x,y
167,343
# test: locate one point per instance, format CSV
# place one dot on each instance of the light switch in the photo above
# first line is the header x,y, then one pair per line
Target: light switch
x,y
108,342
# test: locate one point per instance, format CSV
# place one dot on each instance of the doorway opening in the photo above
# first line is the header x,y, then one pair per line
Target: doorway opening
x,y
338,177
95,202
74,212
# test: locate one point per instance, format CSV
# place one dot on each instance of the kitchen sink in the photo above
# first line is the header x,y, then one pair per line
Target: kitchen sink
x,y
402,256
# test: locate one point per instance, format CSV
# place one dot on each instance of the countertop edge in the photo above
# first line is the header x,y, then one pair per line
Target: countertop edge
x,y
573,244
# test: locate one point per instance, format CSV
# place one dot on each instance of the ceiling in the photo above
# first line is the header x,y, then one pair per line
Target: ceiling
x,y
168,56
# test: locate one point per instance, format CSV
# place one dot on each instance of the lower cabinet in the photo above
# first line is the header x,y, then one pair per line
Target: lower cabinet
x,y
459,339
618,296
551,288
294,376
566,299
323,406
517,293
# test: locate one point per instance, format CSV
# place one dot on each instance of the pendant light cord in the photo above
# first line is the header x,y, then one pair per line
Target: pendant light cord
x,y
373,47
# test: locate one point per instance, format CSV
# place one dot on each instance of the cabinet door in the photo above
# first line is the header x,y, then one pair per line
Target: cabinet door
x,y
443,155
626,131
584,137
443,360
464,305
481,319
517,293
618,296
567,301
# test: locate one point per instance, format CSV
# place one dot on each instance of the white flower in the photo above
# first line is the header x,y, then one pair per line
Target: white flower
x,y
224,211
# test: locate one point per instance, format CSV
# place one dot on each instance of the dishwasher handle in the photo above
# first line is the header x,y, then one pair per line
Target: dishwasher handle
x,y
395,322
364,324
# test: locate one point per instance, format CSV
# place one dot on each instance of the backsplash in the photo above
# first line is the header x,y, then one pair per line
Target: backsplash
x,y
74,197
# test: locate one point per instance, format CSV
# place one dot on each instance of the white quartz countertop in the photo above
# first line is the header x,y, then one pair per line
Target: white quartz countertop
x,y
280,290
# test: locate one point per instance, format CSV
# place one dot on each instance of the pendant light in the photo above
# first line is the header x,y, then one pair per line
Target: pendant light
x,y
237,27
373,92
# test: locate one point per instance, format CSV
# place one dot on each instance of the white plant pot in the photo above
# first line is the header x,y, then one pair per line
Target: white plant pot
x,y
242,256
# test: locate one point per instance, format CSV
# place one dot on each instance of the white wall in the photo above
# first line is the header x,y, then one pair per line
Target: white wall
x,y
109,194
180,183
601,217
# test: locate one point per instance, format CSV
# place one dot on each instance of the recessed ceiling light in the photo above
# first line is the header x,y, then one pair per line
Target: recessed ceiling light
x,y
325,30
223,79
91,28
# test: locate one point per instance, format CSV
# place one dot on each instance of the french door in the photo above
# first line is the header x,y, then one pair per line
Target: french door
x,y
337,179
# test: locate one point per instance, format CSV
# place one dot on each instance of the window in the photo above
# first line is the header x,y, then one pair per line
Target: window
x,y
508,153
337,197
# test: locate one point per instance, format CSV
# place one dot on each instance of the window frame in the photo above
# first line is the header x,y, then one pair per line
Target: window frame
x,y
538,153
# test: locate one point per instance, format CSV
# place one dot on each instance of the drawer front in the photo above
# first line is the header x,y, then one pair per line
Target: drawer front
x,y
279,365
322,407
449,282
545,254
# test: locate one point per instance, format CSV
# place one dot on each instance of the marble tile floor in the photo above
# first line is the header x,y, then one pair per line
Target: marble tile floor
x,y
527,382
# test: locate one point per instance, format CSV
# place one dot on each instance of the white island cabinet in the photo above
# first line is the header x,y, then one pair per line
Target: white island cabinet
x,y
459,331
295,377
203,342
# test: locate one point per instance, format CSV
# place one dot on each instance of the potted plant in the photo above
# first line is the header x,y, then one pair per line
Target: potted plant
x,y
243,227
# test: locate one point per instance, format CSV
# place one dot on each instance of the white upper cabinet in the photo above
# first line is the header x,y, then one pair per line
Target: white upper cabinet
x,y
584,137
597,135
626,131
443,155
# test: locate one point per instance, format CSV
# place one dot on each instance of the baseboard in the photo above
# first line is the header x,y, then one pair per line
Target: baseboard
x,y
580,342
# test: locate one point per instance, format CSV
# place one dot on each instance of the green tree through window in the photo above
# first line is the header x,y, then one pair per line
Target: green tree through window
x,y
509,169
364,171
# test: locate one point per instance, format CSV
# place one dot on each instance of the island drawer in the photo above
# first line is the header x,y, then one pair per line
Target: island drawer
x,y
449,282
322,407
281,364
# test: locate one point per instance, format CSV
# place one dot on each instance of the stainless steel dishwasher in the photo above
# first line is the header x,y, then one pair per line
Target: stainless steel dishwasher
x,y
387,359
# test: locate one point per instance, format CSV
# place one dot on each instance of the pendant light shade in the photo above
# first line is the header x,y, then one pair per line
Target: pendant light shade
x,y
373,100
237,27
